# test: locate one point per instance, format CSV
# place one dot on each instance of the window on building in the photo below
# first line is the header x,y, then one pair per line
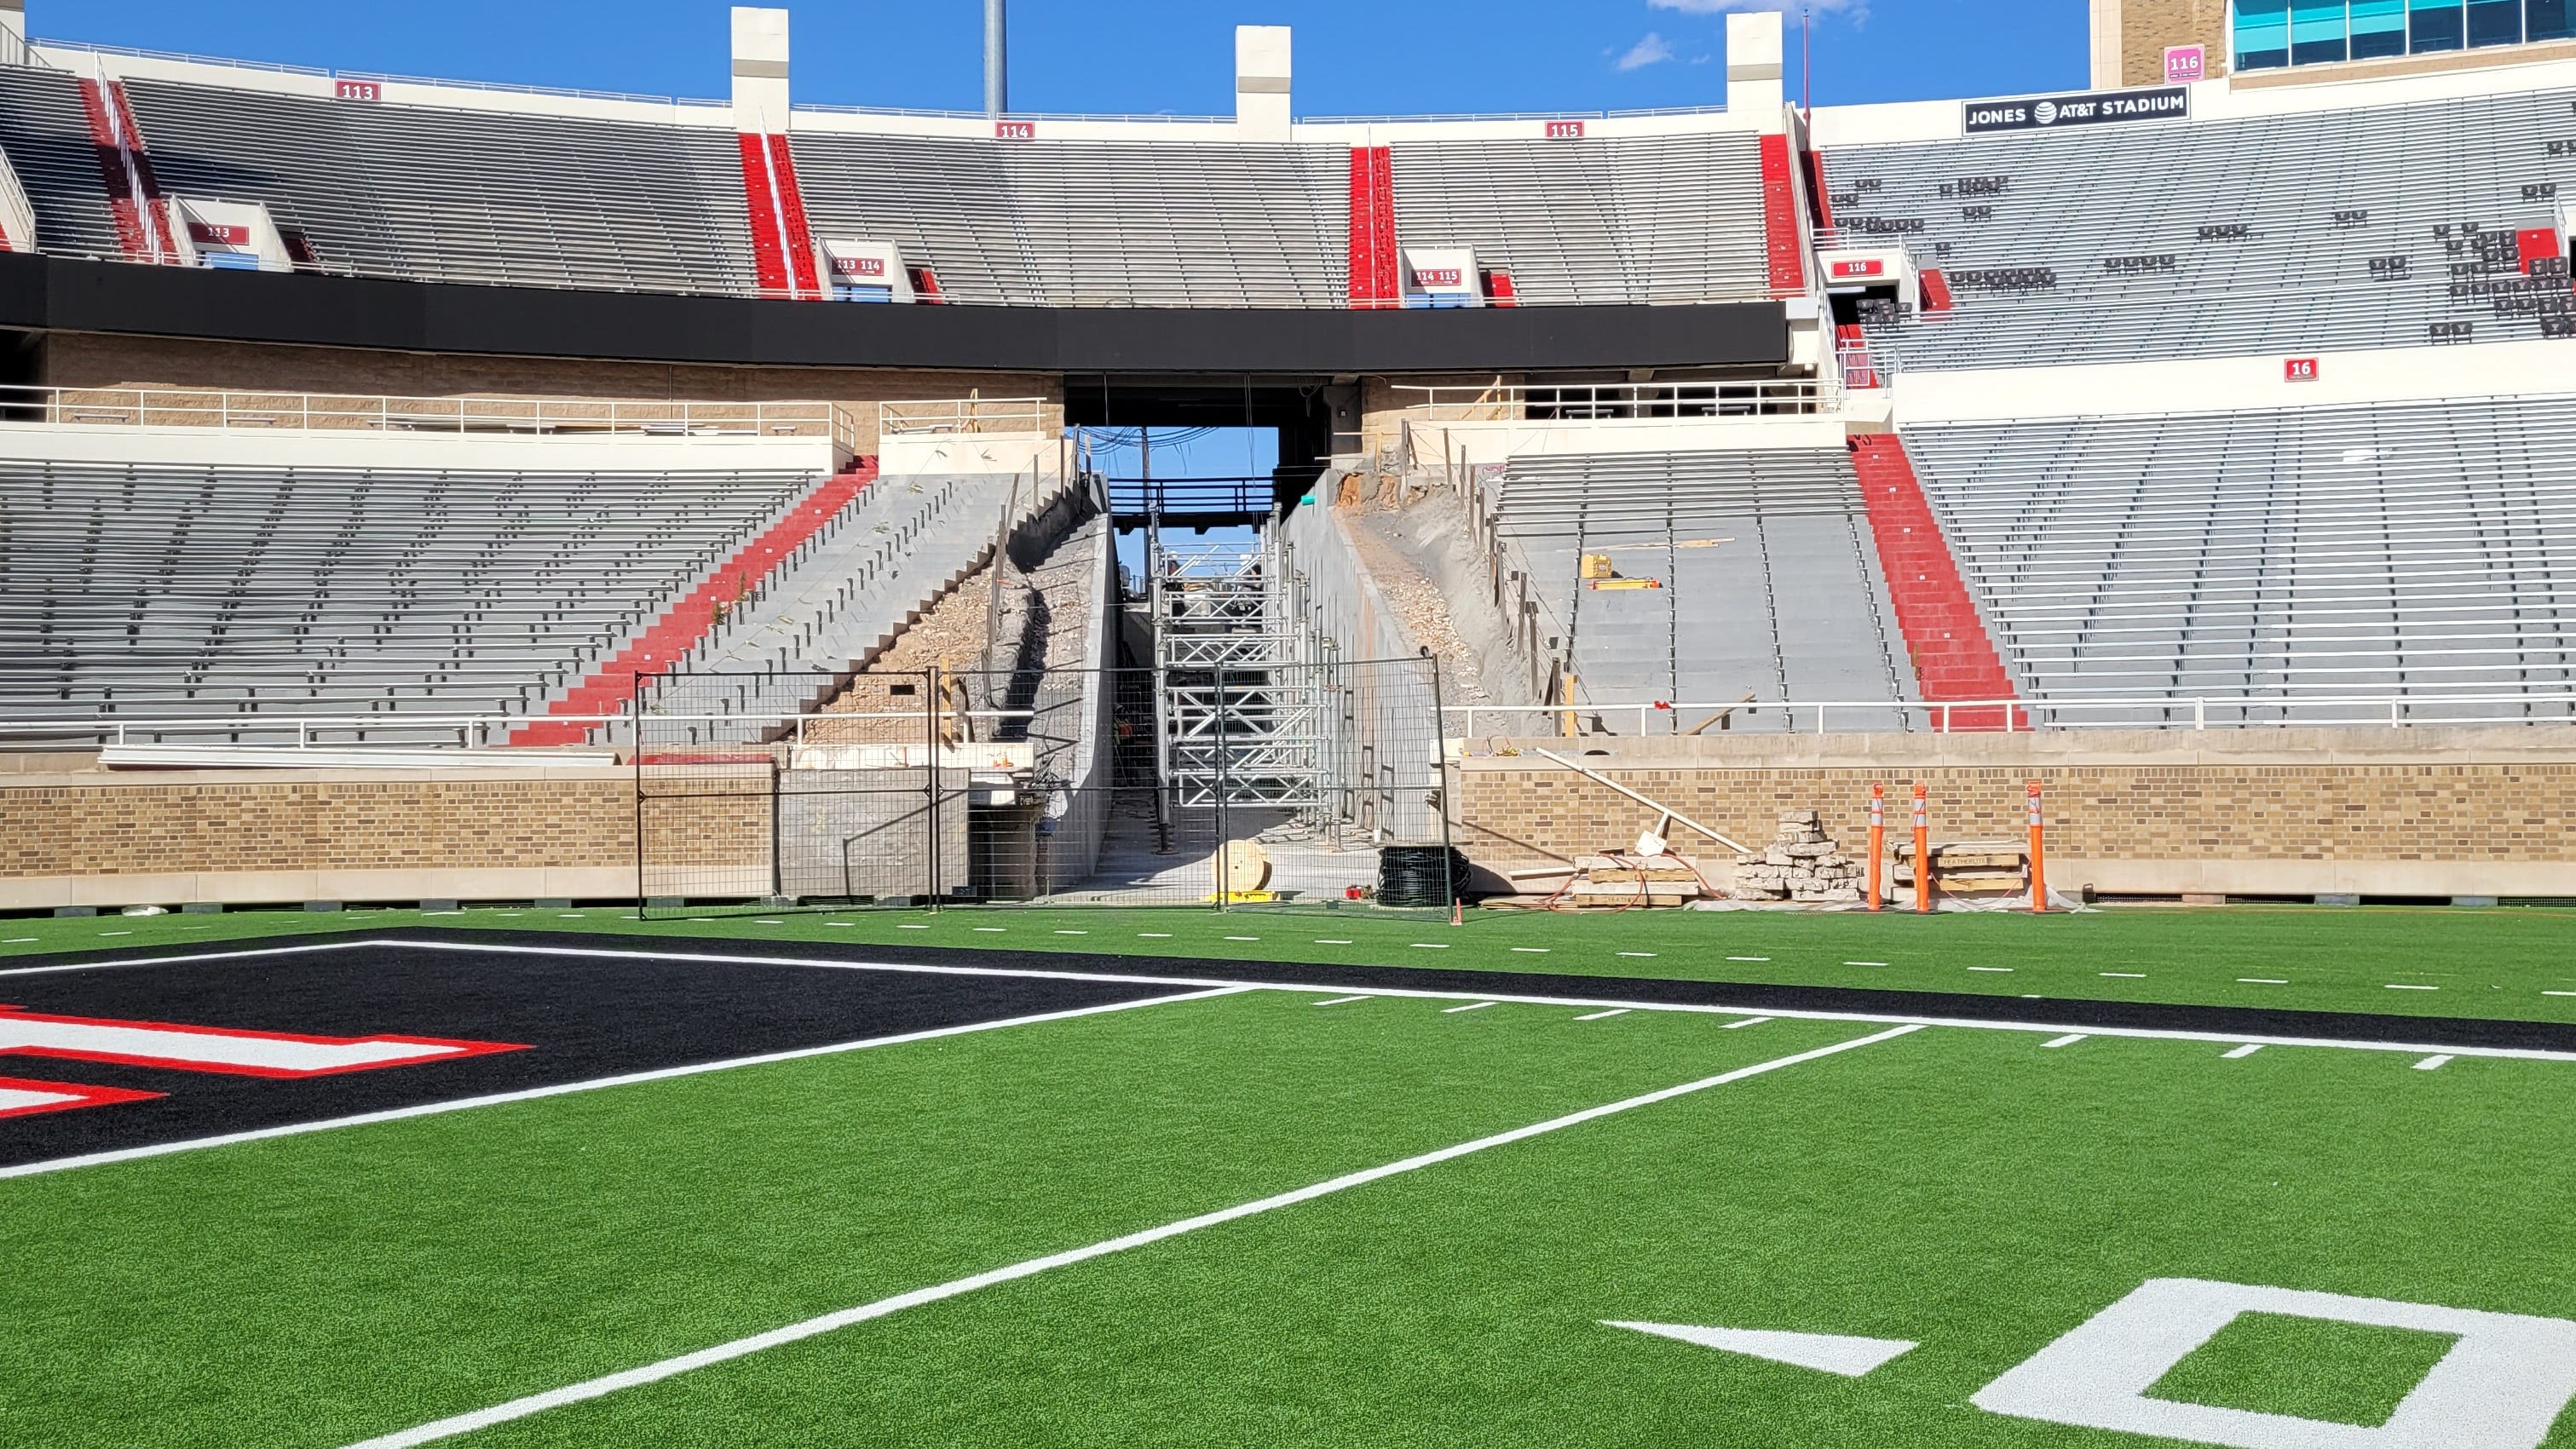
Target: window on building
x,y
2317,31
2269,33
2379,28
2433,25
2262,34
2495,22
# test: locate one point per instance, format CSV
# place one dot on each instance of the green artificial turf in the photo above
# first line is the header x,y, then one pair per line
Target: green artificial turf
x,y
2500,964
1973,1191
313,1290
2343,1373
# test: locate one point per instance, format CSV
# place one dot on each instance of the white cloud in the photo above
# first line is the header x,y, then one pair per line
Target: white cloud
x,y
1652,50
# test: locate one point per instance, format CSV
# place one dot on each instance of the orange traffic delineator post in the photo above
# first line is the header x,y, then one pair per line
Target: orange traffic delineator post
x,y
2038,861
1922,852
1877,844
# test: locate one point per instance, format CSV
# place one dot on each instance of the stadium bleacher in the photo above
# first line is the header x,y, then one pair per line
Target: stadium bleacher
x,y
1091,224
46,135
2385,226
910,538
462,196
155,591
2420,551
1603,221
1765,582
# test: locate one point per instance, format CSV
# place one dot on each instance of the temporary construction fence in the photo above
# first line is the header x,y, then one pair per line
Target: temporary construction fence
x,y
1236,785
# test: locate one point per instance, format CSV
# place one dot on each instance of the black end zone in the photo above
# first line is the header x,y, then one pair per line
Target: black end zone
x,y
575,1018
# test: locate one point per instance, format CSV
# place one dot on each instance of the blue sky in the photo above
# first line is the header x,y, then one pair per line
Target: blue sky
x,y
1354,57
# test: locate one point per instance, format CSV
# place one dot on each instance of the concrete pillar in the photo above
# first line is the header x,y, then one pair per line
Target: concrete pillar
x,y
1261,72
759,70
2106,45
1753,69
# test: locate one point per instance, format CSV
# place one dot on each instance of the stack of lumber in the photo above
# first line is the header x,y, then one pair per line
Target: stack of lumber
x,y
1970,870
1635,880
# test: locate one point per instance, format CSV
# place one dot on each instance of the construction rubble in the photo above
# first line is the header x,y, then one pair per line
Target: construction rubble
x,y
1801,864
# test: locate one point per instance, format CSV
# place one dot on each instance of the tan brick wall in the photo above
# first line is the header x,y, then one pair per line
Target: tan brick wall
x,y
116,827
2148,26
84,360
2444,815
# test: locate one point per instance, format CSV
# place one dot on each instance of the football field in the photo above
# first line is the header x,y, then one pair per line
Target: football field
x,y
581,1191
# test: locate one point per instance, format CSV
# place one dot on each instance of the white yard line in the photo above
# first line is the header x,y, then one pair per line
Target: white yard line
x,y
885,1307
1605,1015
563,1089
2045,1028
1470,1006
2247,1050
2068,1040
1341,1001
2433,1064
1748,1021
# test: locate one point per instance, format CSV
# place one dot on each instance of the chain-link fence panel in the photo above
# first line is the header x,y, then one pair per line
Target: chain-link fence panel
x,y
1234,784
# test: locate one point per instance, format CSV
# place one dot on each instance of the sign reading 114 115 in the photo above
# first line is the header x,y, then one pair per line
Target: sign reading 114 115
x,y
2091,108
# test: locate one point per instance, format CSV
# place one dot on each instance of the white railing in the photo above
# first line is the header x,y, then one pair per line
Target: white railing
x,y
1666,401
340,733
483,731
1008,415
195,408
1988,716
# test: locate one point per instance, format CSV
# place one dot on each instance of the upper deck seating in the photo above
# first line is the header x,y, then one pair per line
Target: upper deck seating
x,y
2422,550
1599,221
2380,227
462,196
46,134
1091,223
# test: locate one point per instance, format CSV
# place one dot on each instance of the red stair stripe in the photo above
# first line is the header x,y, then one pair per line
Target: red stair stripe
x,y
781,250
141,221
1944,635
679,628
1781,226
1376,278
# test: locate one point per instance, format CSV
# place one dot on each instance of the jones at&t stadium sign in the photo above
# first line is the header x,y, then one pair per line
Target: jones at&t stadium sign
x,y
2094,108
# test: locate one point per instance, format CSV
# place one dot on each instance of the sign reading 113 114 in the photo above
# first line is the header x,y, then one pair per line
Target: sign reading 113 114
x,y
2090,108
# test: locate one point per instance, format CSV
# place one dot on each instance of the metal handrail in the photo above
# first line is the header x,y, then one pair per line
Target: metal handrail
x,y
1688,399
962,415
472,731
1962,716
92,47
158,409
2034,715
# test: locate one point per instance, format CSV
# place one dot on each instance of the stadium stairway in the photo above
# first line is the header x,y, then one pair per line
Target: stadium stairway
x,y
680,627
1953,657
837,609
134,194
780,245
